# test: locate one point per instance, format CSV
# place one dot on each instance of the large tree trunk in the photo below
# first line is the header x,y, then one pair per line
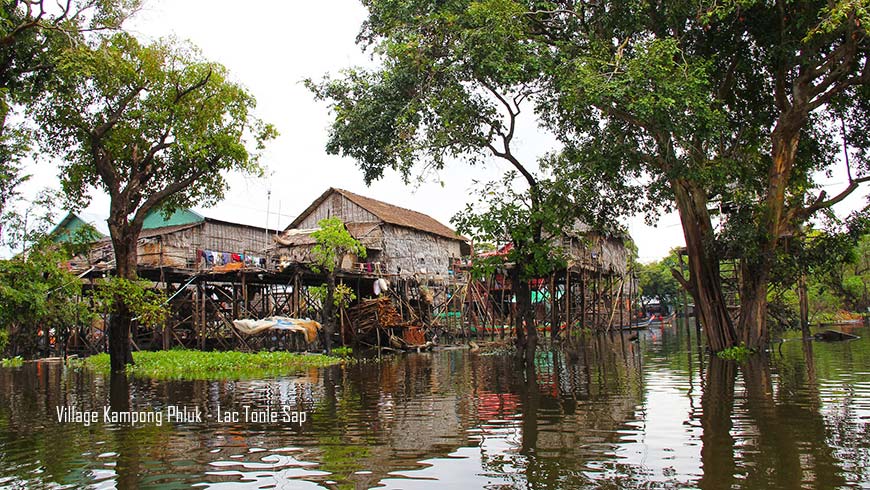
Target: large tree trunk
x,y
519,311
754,279
527,333
124,240
755,271
705,283
328,315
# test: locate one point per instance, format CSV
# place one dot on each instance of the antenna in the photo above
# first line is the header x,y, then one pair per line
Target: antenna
x,y
268,198
278,224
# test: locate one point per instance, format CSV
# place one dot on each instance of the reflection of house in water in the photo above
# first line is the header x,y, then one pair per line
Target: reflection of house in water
x,y
427,407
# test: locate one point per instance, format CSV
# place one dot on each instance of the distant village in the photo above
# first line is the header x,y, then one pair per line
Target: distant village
x,y
217,272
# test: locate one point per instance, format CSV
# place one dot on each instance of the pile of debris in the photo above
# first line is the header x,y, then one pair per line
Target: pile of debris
x,y
374,313
376,320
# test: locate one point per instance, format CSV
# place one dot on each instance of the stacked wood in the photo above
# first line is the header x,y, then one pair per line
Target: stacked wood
x,y
373,313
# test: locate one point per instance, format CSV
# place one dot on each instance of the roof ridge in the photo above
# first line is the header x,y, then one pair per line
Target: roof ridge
x,y
345,192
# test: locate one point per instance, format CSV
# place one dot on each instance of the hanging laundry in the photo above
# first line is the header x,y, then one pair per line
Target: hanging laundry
x,y
236,258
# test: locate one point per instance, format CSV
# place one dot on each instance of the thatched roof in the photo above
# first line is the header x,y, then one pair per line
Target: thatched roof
x,y
387,213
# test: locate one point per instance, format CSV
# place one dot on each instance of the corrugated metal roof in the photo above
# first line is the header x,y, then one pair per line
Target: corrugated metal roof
x,y
70,225
155,219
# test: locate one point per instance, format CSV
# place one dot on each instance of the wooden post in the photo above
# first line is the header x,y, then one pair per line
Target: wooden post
x,y
595,302
582,298
245,305
296,294
621,287
568,302
554,325
804,305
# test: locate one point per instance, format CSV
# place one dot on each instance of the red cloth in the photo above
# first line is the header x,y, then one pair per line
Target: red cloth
x,y
237,258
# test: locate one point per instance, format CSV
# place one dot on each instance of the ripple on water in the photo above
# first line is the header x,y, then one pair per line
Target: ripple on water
x,y
611,417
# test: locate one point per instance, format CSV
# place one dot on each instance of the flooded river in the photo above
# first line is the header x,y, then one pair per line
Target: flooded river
x,y
657,413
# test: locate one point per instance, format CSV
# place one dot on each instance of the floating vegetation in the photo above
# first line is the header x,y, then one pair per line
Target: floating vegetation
x,y
737,353
12,362
194,364
343,351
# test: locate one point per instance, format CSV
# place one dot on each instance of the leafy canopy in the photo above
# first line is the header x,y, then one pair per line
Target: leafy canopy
x,y
152,125
33,33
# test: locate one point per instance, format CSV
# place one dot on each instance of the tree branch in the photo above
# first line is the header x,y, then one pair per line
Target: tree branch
x,y
116,114
160,196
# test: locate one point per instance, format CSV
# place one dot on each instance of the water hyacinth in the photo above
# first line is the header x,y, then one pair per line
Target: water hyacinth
x,y
193,364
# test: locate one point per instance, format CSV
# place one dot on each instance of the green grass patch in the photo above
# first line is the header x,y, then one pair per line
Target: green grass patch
x,y
12,362
737,353
194,364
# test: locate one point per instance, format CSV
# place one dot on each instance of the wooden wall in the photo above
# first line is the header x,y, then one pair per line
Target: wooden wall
x,y
337,205
179,248
227,237
413,251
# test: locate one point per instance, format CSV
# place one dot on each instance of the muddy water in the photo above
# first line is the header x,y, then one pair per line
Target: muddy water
x,y
657,413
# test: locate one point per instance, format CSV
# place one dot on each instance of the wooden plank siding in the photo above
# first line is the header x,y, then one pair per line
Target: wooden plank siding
x,y
337,205
178,246
408,252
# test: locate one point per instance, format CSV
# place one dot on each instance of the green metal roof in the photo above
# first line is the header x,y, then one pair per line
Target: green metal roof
x,y
155,219
70,226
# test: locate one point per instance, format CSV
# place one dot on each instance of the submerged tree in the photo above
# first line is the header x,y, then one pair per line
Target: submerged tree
x,y
731,103
334,242
155,127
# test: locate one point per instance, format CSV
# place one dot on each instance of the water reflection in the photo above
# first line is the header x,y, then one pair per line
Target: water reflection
x,y
607,412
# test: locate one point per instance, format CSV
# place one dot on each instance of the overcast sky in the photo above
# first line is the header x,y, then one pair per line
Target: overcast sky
x,y
270,47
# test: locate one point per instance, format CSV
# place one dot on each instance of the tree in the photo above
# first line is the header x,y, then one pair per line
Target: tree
x,y
334,242
454,81
160,129
727,103
32,36
39,298
656,281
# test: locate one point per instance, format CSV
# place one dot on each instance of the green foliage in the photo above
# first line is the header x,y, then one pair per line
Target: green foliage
x,y
503,215
147,304
655,281
12,362
194,364
836,261
333,243
343,295
343,351
24,227
32,36
162,117
4,339
36,293
433,99
738,353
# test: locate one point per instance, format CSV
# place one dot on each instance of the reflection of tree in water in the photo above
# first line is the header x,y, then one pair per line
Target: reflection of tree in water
x,y
782,439
572,409
717,401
